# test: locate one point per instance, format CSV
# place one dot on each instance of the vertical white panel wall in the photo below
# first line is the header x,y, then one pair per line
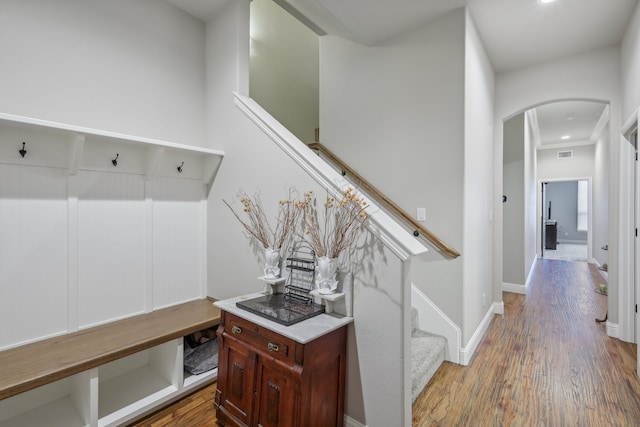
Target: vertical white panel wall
x,y
111,248
85,242
33,253
178,233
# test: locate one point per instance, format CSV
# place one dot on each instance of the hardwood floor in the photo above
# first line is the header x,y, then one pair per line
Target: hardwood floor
x,y
567,252
195,410
546,362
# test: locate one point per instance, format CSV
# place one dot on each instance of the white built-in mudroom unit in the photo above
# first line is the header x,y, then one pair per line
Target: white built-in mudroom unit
x,y
98,227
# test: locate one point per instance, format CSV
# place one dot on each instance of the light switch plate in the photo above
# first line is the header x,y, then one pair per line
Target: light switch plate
x,y
421,214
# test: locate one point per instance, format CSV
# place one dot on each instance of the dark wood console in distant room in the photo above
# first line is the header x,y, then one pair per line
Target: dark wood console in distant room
x,y
267,379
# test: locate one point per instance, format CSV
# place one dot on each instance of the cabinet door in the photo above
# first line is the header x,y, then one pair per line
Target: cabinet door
x,y
238,381
276,396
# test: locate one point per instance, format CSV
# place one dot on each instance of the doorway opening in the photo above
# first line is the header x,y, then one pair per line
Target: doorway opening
x,y
565,220
557,141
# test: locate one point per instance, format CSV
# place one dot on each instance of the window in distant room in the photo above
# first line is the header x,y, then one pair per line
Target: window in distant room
x,y
583,196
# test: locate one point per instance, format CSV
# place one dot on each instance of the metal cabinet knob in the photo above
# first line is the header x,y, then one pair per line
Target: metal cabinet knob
x,y
273,347
236,330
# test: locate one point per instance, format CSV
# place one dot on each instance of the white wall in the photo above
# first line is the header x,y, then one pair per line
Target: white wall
x,y
588,162
252,161
118,66
478,174
619,237
530,199
375,379
519,211
407,90
284,68
631,66
581,165
514,208
600,202
593,75
395,113
130,67
563,197
32,206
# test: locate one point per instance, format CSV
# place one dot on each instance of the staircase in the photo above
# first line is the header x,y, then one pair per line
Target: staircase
x,y
428,351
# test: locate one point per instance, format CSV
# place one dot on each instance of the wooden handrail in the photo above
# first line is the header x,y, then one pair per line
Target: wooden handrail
x,y
419,228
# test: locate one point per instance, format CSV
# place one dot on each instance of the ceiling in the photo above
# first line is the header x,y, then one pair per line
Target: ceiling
x,y
569,123
516,34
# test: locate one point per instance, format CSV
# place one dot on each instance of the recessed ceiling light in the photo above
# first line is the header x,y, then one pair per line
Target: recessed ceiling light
x,y
546,1
565,137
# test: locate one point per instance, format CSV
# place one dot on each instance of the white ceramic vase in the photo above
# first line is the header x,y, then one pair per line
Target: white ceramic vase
x,y
271,263
326,271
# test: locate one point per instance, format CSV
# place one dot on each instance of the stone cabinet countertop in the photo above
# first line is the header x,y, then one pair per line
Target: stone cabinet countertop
x,y
302,332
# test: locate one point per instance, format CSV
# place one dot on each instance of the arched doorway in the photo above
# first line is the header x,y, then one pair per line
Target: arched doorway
x,y
555,141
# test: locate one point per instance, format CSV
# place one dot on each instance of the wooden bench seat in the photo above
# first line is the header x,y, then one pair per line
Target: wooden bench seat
x,y
33,365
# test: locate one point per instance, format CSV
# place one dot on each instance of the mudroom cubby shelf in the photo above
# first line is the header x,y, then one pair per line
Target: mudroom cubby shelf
x,y
34,142
128,386
61,403
136,367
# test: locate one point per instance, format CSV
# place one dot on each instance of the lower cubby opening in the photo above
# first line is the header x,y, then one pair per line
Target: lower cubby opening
x,y
200,358
119,391
63,403
134,384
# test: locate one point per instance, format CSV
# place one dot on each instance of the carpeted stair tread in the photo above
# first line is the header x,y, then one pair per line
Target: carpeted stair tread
x,y
427,354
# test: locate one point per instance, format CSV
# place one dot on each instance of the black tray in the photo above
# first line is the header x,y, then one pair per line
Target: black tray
x,y
281,309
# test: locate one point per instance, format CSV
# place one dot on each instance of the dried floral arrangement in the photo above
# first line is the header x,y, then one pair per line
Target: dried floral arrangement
x,y
340,226
257,224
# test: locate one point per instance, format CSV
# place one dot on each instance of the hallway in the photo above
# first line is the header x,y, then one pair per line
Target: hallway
x,y
546,362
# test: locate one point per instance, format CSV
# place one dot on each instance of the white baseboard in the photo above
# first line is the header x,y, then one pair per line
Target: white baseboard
x,y
613,330
517,288
514,288
467,352
350,422
434,320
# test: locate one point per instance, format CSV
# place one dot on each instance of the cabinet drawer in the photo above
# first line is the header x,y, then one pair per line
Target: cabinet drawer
x,y
259,338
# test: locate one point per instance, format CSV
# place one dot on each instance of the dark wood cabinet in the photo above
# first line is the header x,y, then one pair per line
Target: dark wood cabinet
x,y
266,379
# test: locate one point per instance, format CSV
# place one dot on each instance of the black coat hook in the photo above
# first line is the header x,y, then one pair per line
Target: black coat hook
x,y
180,167
115,161
23,151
